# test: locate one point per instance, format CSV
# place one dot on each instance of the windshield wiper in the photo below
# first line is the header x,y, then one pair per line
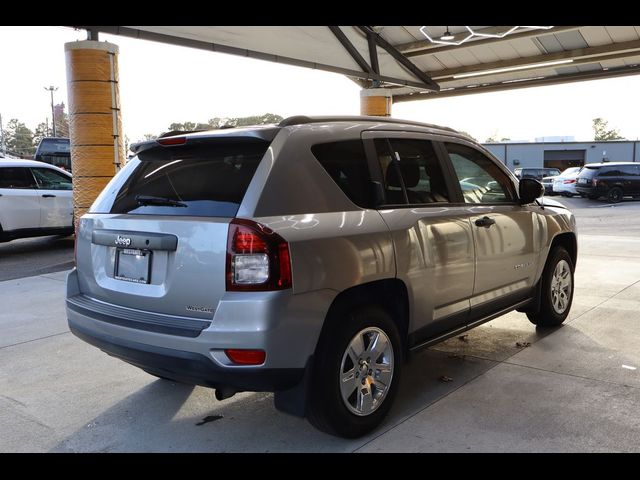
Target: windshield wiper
x,y
159,201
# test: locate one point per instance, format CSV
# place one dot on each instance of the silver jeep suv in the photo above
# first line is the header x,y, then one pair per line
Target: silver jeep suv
x,y
311,258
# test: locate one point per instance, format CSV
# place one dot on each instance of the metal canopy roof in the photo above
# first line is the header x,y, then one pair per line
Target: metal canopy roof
x,y
403,59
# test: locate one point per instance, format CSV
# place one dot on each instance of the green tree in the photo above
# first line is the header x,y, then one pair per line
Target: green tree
x,y
19,139
265,119
601,132
149,136
42,131
216,122
187,127
259,120
219,122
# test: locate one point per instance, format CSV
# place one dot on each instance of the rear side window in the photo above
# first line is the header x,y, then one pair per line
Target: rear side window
x,y
632,170
346,163
207,180
16,177
610,172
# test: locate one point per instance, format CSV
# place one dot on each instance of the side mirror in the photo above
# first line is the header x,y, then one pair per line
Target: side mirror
x,y
530,189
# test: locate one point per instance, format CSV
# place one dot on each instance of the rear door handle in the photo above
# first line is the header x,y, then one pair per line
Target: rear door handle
x,y
48,195
485,222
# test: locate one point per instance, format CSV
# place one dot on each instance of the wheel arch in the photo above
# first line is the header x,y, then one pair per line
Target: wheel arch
x,y
390,294
566,240
569,242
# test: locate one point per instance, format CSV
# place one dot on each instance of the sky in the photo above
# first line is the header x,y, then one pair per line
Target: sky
x,y
161,84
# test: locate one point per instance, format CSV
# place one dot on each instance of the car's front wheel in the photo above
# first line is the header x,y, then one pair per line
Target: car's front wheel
x,y
356,374
557,290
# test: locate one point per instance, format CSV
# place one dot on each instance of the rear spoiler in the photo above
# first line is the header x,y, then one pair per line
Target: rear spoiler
x,y
198,138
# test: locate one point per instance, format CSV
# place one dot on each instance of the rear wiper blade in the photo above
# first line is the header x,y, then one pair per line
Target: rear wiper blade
x,y
160,201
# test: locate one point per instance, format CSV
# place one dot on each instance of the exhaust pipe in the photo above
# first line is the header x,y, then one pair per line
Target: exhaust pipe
x,y
223,393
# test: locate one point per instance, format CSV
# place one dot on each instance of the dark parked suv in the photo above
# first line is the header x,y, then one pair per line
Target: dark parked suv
x,y
611,180
310,258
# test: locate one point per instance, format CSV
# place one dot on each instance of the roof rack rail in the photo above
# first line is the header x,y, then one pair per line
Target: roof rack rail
x,y
303,119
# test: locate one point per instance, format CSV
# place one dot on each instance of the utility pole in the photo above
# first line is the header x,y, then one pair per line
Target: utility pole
x,y
53,115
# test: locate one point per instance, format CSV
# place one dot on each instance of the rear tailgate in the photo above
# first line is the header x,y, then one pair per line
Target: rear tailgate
x,y
180,271
156,238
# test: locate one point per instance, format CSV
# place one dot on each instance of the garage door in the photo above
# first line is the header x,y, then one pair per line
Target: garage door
x,y
562,159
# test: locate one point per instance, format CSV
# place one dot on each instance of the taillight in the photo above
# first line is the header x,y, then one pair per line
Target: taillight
x,y
257,258
246,357
571,180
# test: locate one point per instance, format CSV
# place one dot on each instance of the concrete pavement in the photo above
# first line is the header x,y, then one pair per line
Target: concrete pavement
x,y
576,388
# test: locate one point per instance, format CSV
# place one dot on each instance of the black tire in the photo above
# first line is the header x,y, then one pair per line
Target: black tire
x,y
548,316
326,409
615,194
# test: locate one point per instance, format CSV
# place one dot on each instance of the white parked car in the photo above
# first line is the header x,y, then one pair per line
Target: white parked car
x,y
565,183
35,199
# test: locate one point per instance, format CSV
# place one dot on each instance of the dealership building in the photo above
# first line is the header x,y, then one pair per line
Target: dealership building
x,y
555,152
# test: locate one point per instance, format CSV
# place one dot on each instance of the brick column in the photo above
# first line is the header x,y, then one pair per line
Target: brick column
x,y
95,123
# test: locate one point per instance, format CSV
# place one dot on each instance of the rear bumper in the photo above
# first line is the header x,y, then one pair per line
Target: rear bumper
x,y
589,190
564,188
189,367
285,326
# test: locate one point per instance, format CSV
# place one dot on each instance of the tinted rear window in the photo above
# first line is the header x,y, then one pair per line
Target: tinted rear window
x,y
588,172
630,170
347,164
54,146
200,180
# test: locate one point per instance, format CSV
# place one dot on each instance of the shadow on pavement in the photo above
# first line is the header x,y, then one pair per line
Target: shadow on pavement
x,y
27,257
164,416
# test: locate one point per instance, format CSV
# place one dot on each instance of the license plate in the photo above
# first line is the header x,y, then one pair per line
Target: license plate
x,y
582,180
133,265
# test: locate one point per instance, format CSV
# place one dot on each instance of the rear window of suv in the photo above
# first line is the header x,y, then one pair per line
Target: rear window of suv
x,y
207,180
588,172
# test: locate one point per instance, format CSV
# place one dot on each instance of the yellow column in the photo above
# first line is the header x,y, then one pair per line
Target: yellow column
x,y
95,123
376,101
